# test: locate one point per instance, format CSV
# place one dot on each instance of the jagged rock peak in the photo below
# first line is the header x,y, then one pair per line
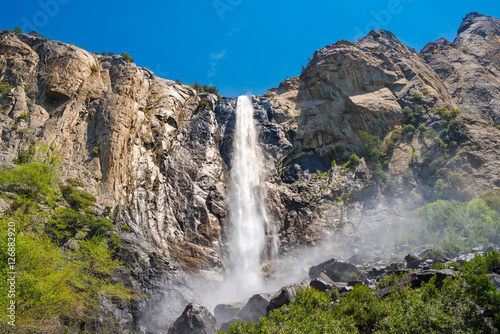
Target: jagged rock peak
x,y
472,18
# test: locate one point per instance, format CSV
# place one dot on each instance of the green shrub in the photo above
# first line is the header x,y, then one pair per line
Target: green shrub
x,y
408,130
422,128
17,30
416,96
94,68
197,87
26,89
25,116
30,181
127,57
396,135
76,198
95,150
354,161
425,92
372,146
203,105
447,113
4,88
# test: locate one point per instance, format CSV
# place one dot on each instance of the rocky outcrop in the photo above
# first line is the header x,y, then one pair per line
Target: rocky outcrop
x,y
194,320
158,158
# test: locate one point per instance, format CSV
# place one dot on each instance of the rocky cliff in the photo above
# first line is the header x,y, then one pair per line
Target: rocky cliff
x,y
158,152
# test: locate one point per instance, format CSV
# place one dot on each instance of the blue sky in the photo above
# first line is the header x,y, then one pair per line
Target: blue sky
x,y
240,46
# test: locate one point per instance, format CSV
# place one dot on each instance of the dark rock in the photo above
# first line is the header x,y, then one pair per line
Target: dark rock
x,y
322,283
284,297
495,280
417,279
195,319
412,258
226,312
335,270
255,308
382,293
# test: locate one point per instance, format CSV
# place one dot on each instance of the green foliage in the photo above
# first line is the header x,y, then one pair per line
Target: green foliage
x,y
77,199
95,150
416,96
456,187
94,68
408,130
4,88
454,226
127,57
389,280
26,89
372,146
448,114
425,92
146,109
396,135
178,81
354,160
465,304
55,286
197,87
338,153
24,116
30,183
126,228
203,105
25,156
310,313
210,89
422,128
17,30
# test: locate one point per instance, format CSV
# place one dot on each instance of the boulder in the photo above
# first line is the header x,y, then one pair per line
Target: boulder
x,y
285,296
335,270
495,280
195,319
255,308
419,278
322,283
226,312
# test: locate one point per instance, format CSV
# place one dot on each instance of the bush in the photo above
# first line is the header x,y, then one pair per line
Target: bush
x,y
416,96
425,92
203,105
4,88
77,199
94,68
31,181
372,146
447,113
354,161
25,117
127,57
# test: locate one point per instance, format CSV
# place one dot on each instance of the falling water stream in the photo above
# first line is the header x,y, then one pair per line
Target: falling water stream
x,y
246,199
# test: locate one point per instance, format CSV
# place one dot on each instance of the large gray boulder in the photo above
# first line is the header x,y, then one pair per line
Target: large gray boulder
x,y
195,319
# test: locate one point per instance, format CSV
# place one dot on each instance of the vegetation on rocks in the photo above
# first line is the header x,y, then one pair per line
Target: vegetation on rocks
x,y
467,303
64,250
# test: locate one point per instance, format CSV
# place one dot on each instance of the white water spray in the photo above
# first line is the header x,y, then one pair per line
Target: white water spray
x,y
246,199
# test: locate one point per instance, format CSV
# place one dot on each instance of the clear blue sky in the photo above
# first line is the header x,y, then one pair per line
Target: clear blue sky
x,y
239,46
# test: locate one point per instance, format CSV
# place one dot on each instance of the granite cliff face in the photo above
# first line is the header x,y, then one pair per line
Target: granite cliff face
x,y
159,152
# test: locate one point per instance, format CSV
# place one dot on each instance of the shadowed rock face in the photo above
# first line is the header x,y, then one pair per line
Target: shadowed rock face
x,y
145,144
194,320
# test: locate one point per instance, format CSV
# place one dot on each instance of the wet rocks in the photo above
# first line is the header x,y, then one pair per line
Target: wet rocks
x,y
285,296
195,319
336,270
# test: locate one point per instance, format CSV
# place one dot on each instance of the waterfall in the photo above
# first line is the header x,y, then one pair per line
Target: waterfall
x,y
246,199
